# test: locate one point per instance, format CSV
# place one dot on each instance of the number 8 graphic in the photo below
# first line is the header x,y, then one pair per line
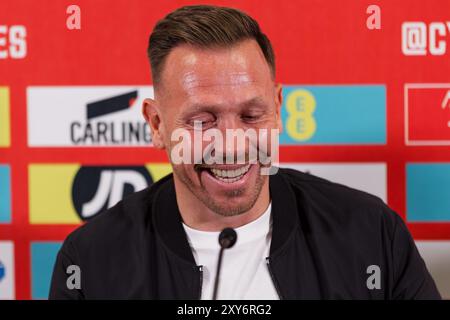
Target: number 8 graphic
x,y
300,105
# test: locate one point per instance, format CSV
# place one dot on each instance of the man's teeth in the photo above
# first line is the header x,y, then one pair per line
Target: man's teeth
x,y
230,175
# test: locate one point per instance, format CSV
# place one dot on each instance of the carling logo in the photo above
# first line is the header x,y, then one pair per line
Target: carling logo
x,y
87,116
420,39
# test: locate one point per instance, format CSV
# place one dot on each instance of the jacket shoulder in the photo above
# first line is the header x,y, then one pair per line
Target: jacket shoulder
x,y
129,218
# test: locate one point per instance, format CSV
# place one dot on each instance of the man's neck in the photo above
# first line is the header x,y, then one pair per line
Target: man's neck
x,y
197,215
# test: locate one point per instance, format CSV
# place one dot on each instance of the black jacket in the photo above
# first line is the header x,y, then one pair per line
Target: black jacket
x,y
324,238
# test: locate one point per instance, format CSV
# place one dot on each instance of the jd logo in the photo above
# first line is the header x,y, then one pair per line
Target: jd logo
x,y
2,271
374,280
74,280
98,188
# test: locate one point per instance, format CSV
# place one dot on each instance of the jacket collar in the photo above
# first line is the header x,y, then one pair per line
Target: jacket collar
x,y
168,222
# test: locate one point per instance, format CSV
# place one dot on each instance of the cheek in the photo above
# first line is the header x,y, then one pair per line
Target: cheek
x,y
181,154
268,139
186,173
167,127
166,133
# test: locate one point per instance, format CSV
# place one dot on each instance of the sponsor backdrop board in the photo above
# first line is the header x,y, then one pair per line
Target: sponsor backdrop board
x,y
366,103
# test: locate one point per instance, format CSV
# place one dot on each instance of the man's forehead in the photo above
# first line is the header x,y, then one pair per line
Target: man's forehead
x,y
191,80
193,67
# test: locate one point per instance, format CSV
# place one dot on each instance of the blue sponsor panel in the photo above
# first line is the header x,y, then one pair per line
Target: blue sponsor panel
x,y
43,257
331,115
428,192
5,194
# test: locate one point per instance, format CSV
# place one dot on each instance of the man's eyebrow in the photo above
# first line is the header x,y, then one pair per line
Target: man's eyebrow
x,y
255,101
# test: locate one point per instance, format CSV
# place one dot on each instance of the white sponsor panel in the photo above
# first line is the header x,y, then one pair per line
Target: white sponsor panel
x,y
368,177
87,116
7,291
437,258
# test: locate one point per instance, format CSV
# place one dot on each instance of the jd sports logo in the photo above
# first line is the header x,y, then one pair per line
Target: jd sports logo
x,y
68,193
98,188
2,271
7,282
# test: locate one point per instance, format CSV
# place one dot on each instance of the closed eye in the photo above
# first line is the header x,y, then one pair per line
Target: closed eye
x,y
204,122
250,118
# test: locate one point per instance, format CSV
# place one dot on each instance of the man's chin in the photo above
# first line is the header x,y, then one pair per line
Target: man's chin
x,y
223,197
229,210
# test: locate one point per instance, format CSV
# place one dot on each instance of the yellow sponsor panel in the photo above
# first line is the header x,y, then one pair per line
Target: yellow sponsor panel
x,y
159,170
50,189
4,117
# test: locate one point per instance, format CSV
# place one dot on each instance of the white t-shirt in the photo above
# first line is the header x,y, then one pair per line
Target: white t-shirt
x,y
244,273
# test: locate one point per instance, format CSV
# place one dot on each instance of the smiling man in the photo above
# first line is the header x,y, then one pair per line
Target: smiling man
x,y
298,236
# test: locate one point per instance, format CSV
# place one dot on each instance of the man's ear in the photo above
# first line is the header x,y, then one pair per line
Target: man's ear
x,y
152,115
278,104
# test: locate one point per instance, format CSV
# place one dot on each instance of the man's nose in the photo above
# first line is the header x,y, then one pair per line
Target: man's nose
x,y
234,145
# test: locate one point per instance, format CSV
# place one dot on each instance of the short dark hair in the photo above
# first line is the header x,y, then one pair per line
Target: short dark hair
x,y
204,26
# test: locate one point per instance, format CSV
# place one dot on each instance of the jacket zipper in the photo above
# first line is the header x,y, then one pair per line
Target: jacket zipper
x,y
275,283
200,269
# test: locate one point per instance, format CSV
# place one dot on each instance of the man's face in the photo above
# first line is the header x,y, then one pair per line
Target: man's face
x,y
221,88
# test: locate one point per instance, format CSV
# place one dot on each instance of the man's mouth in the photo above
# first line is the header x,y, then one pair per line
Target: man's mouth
x,y
228,175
